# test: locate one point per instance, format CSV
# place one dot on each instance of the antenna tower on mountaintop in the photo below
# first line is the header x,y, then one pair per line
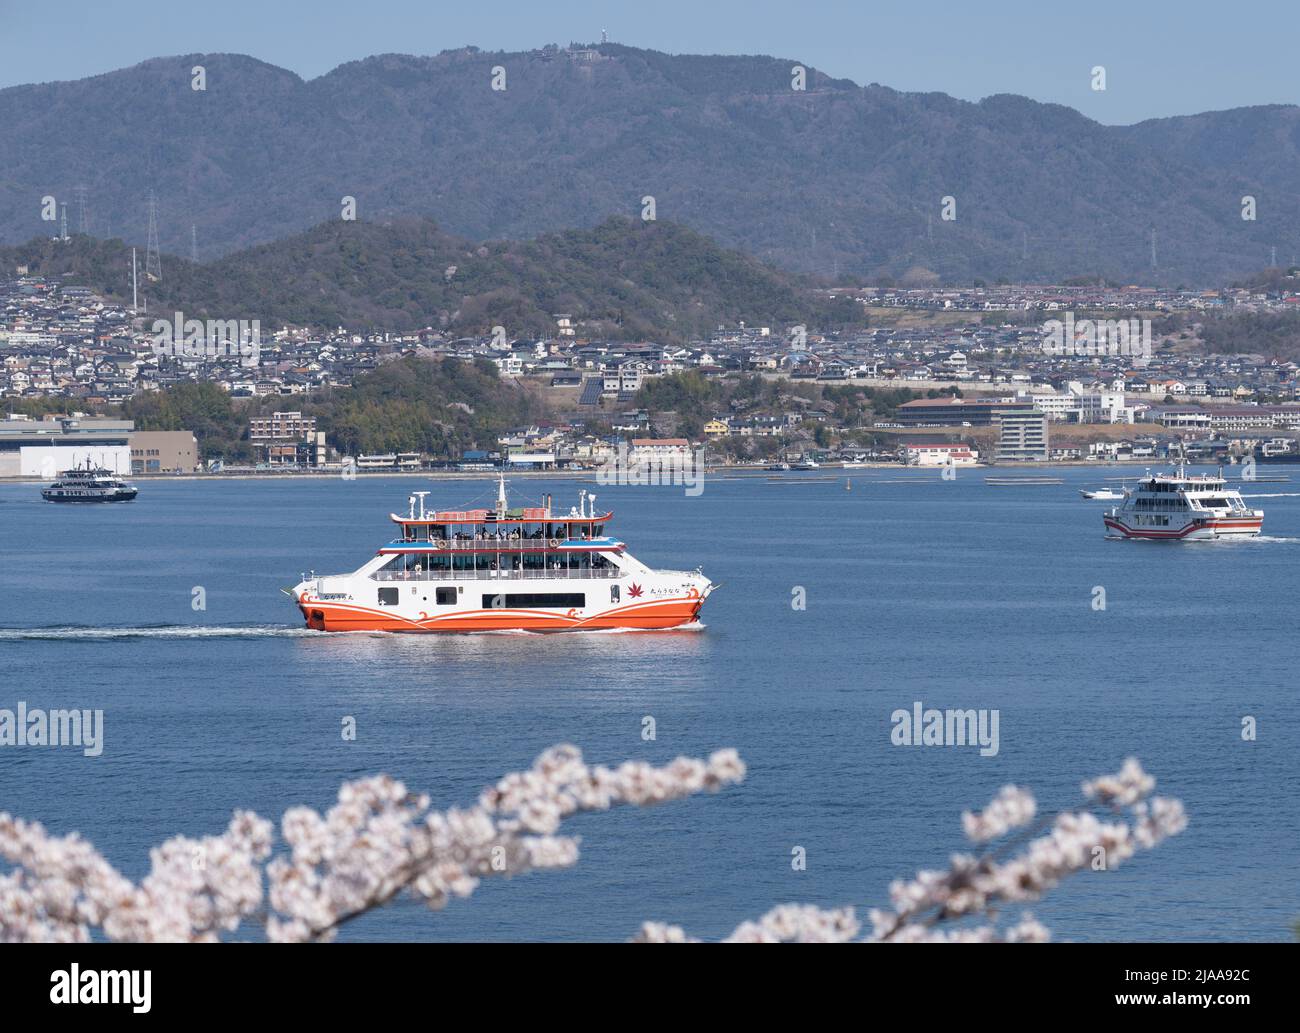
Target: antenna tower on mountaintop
x,y
152,257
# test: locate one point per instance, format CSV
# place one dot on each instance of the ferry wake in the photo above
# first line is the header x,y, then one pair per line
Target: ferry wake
x,y
502,569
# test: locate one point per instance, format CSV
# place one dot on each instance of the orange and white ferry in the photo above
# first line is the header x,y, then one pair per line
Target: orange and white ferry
x,y
495,569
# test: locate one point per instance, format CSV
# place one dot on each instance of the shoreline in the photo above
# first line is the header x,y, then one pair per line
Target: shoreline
x,y
742,471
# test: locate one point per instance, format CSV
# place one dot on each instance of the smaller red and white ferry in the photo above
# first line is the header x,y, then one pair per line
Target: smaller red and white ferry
x,y
1182,507
502,569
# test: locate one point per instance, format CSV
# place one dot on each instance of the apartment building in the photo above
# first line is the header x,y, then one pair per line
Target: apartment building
x,y
1022,436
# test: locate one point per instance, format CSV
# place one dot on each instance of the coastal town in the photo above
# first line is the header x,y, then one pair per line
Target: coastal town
x,y
941,376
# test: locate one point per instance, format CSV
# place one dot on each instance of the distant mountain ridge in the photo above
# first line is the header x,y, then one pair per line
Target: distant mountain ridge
x,y
622,279
835,179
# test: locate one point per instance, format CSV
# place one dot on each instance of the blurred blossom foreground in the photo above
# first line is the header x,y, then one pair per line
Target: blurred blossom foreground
x,y
967,896
376,842
380,840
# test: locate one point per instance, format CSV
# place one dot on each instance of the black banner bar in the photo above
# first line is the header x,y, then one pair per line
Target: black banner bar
x,y
144,983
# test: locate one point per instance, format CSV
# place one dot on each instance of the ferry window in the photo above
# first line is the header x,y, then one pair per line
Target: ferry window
x,y
613,593
535,600
446,597
388,596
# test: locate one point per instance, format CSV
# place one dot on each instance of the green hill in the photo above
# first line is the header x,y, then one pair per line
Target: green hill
x,y
626,279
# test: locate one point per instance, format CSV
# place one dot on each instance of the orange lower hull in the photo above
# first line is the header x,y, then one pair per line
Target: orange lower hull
x,y
666,613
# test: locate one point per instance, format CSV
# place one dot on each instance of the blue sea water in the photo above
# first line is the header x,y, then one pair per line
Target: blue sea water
x,y
956,594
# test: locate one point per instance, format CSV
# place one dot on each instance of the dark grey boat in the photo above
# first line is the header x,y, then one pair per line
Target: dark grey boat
x,y
89,484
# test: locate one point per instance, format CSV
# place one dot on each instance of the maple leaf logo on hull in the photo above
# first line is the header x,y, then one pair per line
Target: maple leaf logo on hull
x,y
634,590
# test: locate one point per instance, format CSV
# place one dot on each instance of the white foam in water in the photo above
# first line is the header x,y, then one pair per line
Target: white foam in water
x,y
692,626
1243,540
179,631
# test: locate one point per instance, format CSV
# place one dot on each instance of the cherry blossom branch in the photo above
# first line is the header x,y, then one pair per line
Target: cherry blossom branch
x,y
377,841
975,888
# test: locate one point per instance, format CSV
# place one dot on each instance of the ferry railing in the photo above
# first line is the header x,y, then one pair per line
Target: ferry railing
x,y
506,545
399,576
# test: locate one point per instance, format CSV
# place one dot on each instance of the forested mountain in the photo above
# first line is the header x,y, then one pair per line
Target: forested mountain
x,y
624,278
835,179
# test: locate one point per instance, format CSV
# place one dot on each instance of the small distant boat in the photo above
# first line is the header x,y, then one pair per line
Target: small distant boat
x,y
1102,493
89,484
779,467
795,481
807,464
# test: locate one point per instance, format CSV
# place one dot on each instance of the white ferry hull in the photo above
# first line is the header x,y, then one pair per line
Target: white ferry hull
x,y
1198,531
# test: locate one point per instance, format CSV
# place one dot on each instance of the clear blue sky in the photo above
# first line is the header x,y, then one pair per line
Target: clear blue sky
x,y
1161,57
